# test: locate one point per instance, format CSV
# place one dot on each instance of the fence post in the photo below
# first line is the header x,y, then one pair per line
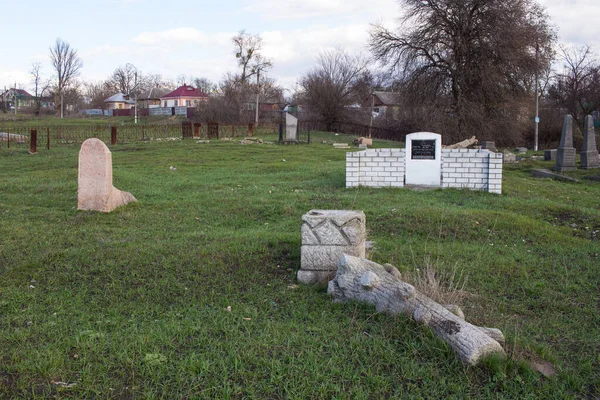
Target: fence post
x,y
8,137
250,128
33,142
196,129
113,135
308,135
48,138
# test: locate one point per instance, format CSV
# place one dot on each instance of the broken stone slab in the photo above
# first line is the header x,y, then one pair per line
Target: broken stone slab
x,y
463,144
326,258
521,150
95,189
489,145
358,279
326,235
509,158
544,173
315,277
341,145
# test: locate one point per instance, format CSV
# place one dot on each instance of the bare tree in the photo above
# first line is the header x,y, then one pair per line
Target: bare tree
x,y
333,86
97,93
577,87
468,63
204,84
66,64
40,87
247,51
125,79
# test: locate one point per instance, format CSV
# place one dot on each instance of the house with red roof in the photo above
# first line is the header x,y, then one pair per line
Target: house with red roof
x,y
183,96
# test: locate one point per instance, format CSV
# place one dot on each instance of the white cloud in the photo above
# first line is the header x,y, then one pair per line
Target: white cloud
x,y
294,9
179,36
576,19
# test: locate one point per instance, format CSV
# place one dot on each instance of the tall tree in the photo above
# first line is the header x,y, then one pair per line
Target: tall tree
x,y
247,51
66,64
470,62
577,87
334,85
125,78
40,87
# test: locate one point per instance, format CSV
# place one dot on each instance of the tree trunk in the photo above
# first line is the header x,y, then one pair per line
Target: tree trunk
x,y
366,281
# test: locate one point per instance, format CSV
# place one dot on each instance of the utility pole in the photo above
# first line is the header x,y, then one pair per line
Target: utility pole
x,y
135,99
257,96
537,100
372,106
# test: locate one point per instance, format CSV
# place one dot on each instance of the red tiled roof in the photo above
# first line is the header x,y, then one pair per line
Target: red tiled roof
x,y
185,91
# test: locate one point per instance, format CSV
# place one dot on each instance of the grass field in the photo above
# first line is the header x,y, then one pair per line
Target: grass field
x,y
132,304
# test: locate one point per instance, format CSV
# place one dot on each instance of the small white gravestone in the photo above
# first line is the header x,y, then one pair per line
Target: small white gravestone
x,y
291,128
96,191
424,159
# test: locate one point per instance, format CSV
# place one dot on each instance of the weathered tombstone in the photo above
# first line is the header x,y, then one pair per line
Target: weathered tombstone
x,y
96,191
488,145
565,154
509,158
423,159
550,155
291,128
589,152
521,150
326,235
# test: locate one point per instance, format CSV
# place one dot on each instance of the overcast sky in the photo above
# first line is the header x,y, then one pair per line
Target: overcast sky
x,y
191,37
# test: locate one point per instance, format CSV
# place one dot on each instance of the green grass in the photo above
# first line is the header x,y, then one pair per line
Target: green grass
x,y
132,304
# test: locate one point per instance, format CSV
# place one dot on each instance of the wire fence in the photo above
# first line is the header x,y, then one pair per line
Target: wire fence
x,y
51,136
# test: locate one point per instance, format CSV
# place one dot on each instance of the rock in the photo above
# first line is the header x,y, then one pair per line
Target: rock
x,y
544,173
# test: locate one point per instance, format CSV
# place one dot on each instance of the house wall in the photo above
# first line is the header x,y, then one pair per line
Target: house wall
x,y
461,168
118,105
194,101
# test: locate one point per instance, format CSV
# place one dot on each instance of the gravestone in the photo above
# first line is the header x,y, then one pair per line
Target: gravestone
x,y
423,159
488,145
326,235
565,154
589,152
521,150
96,191
509,158
550,155
291,128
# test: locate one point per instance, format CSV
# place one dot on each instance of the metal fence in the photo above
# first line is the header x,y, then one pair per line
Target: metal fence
x,y
37,137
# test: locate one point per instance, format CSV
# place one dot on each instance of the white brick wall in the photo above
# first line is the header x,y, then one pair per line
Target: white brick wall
x,y
461,168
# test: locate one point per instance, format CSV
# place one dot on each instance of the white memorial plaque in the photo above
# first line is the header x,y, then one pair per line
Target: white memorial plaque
x,y
423,159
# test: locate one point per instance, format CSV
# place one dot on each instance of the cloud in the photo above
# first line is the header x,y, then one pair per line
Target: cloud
x,y
180,36
294,9
570,15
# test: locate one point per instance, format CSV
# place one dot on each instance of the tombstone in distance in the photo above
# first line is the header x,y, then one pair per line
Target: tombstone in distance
x,y
565,154
291,128
95,189
589,153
